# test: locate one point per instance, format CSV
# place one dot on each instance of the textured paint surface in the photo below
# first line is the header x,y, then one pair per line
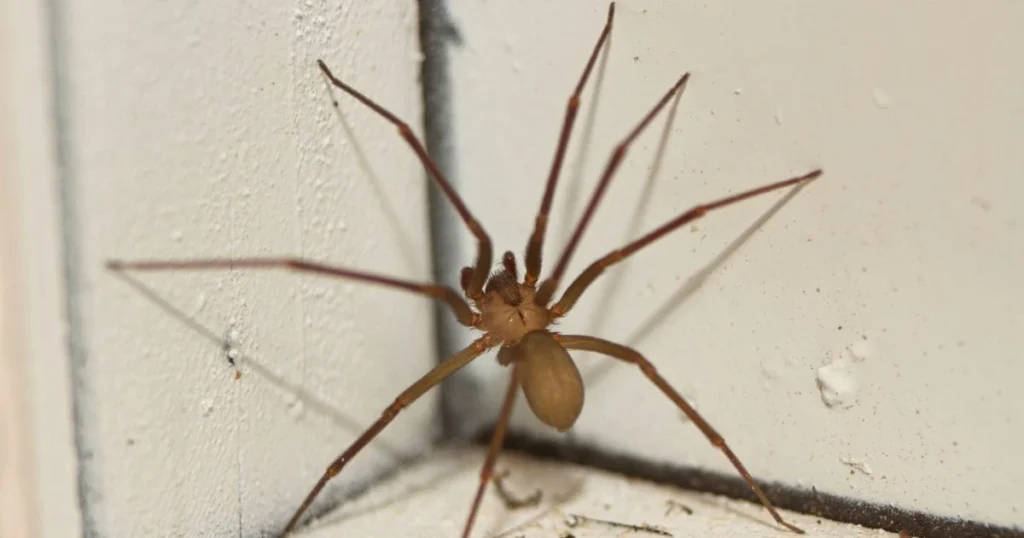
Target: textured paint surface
x,y
206,130
903,262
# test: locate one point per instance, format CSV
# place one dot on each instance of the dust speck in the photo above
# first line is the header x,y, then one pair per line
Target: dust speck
x,y
206,407
982,203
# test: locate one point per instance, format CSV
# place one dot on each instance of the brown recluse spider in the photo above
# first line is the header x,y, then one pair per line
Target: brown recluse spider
x,y
512,314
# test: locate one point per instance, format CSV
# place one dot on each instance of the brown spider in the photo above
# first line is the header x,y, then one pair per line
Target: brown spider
x,y
513,314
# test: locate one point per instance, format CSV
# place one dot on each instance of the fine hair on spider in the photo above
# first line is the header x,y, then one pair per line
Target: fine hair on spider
x,y
513,314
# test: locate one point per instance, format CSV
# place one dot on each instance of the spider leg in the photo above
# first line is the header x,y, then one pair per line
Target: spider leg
x,y
627,354
463,312
484,249
548,287
536,244
497,438
411,394
587,277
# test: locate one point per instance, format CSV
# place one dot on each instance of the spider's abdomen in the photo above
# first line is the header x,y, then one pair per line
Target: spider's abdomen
x,y
550,380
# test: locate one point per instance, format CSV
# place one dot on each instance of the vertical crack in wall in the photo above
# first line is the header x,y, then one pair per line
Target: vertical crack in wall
x,y
437,35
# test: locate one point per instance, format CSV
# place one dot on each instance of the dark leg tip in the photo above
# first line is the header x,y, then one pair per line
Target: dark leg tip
x,y
792,527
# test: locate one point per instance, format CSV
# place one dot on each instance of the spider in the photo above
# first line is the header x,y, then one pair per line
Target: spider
x,y
513,314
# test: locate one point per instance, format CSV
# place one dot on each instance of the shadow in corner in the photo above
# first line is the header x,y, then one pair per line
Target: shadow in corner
x,y
807,501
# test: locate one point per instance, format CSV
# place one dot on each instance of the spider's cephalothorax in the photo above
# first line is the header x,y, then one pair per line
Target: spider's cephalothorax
x,y
507,307
508,312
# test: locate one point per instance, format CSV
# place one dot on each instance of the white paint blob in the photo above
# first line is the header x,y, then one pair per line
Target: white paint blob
x,y
837,381
860,351
837,385
296,409
881,99
857,464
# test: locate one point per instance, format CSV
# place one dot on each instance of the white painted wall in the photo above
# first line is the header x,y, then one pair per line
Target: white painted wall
x,y
911,110
900,268
207,130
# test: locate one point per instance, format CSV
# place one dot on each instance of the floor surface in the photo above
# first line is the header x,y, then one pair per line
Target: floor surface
x,y
431,498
